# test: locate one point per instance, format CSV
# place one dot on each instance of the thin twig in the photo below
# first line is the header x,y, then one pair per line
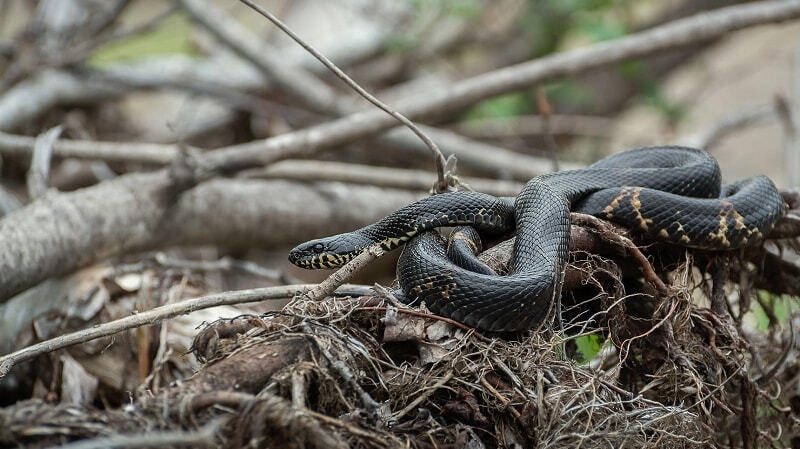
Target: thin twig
x,y
546,110
440,161
345,273
155,315
500,397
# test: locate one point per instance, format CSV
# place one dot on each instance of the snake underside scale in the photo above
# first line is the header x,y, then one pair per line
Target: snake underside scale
x,y
670,194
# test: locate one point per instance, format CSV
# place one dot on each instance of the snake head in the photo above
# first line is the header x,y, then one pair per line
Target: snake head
x,y
328,252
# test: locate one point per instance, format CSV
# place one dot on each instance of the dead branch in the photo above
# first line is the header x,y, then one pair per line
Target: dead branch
x,y
479,156
142,153
61,233
418,180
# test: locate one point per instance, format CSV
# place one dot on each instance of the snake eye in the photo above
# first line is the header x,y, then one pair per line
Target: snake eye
x,y
318,248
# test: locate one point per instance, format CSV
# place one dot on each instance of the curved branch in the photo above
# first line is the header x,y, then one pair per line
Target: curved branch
x,y
61,233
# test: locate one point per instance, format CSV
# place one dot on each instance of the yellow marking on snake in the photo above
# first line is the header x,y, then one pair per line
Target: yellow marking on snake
x,y
447,289
644,223
609,210
663,233
738,218
722,228
685,239
460,236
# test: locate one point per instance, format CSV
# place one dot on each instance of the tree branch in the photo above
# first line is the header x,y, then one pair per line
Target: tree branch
x,y
61,233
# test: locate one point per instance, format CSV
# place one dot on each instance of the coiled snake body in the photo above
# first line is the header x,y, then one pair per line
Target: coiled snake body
x,y
671,194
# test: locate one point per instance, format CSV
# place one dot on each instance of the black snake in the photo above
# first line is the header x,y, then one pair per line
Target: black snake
x,y
671,194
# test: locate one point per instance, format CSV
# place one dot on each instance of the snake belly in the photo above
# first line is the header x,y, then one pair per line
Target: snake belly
x,y
671,194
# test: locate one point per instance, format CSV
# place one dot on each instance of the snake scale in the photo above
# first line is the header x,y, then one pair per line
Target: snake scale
x,y
669,193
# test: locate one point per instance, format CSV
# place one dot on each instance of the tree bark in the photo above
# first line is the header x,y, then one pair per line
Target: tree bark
x,y
61,233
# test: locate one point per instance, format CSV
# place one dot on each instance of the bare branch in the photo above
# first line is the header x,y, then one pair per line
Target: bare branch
x,y
397,178
477,155
144,153
61,233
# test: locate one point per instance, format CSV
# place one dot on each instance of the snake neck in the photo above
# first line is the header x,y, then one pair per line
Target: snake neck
x,y
487,213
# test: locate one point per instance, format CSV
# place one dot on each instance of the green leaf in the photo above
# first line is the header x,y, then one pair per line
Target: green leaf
x,y
588,347
170,37
507,105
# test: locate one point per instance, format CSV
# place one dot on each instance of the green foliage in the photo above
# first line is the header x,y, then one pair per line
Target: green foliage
x,y
522,103
466,9
170,37
569,93
781,306
548,22
600,28
588,347
508,105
